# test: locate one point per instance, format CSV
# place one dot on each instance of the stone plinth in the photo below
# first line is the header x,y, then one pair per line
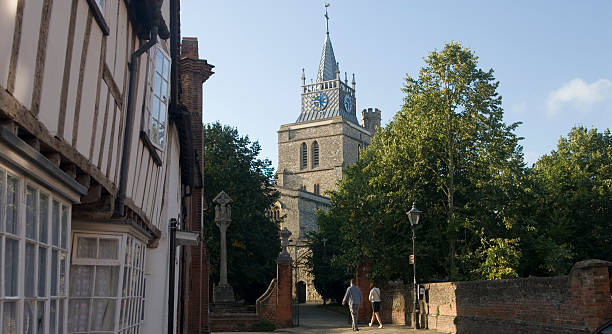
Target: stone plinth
x,y
223,294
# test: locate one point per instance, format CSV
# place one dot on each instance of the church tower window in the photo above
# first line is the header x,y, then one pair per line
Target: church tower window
x,y
303,156
317,188
315,154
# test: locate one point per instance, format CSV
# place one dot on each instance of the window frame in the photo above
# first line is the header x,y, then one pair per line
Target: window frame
x,y
62,252
315,154
130,299
152,96
303,156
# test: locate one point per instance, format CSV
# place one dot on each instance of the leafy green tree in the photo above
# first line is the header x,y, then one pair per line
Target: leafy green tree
x,y
231,164
573,202
449,149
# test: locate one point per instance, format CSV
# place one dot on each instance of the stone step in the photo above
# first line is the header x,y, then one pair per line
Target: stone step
x,y
232,308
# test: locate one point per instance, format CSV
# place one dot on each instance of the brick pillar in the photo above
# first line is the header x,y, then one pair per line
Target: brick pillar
x,y
284,311
590,286
363,283
193,73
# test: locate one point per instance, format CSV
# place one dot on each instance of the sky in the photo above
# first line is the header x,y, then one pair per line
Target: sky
x,y
553,59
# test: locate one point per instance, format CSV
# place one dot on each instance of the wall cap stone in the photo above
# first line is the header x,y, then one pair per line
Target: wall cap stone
x,y
591,263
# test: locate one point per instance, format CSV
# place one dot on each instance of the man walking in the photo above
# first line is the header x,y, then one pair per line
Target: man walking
x,y
353,298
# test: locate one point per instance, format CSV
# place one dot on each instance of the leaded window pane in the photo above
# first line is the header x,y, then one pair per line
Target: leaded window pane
x,y
31,210
28,317
54,265
79,315
42,271
87,248
103,315
29,278
81,281
64,226
109,249
106,281
9,318
40,318
55,221
53,317
60,323
43,218
12,204
11,267
62,274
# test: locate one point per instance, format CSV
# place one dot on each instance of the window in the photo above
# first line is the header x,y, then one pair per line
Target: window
x,y
303,187
358,151
158,102
303,156
34,226
100,4
107,275
315,154
317,189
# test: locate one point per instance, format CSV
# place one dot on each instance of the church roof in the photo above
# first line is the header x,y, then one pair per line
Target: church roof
x,y
329,113
328,66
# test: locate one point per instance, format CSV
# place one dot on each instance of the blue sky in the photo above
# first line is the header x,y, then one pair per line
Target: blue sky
x,y
553,58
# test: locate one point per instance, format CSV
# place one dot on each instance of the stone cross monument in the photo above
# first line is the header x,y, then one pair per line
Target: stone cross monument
x,y
223,293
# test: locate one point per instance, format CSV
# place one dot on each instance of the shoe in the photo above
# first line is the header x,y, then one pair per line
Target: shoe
x,y
370,324
380,326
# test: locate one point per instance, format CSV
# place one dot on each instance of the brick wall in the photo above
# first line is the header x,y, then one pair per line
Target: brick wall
x,y
396,303
577,303
362,281
193,73
266,303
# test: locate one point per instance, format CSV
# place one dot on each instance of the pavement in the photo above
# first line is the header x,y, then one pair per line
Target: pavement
x,y
313,320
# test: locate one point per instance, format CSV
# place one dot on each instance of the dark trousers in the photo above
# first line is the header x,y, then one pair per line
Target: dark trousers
x,y
354,308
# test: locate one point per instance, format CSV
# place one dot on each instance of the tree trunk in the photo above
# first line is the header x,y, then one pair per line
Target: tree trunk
x,y
450,185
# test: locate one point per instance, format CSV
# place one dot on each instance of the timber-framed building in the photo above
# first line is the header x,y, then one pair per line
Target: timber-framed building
x,y
96,158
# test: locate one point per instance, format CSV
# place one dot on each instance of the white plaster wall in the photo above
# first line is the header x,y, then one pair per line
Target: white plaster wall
x,y
82,15
8,9
54,65
156,305
101,111
90,85
26,61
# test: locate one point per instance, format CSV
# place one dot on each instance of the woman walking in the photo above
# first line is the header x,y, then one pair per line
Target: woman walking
x,y
375,299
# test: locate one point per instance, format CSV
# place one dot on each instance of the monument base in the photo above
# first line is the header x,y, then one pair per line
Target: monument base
x,y
223,294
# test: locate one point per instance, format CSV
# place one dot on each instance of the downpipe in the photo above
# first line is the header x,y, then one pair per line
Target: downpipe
x,y
129,121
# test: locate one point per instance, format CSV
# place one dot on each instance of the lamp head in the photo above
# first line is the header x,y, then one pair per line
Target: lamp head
x,y
414,214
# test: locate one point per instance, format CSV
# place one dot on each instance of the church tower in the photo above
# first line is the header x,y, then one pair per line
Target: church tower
x,y
314,151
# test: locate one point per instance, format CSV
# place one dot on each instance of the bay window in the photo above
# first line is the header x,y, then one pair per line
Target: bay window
x,y
34,224
107,284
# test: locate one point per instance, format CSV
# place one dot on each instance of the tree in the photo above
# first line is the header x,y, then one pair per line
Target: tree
x,y
573,202
449,149
231,164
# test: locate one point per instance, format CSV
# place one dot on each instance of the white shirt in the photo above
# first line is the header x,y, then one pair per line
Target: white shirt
x,y
374,295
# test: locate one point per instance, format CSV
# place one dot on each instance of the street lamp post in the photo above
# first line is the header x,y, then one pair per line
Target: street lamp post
x,y
413,217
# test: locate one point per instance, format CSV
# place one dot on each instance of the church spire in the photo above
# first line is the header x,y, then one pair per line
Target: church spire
x,y
328,66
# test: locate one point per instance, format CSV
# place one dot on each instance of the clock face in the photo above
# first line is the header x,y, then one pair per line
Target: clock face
x,y
319,101
348,104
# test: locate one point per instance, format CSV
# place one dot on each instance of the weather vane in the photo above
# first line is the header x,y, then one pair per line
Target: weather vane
x,y
326,4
